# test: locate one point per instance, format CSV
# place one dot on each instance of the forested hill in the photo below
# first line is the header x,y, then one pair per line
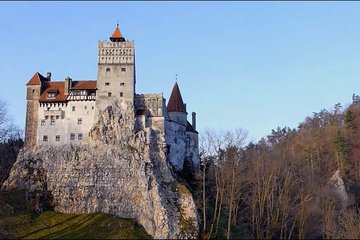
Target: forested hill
x,y
295,183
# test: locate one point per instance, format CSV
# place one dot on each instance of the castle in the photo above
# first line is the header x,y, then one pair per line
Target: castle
x,y
64,112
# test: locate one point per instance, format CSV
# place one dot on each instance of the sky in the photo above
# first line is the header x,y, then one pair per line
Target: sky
x,y
249,65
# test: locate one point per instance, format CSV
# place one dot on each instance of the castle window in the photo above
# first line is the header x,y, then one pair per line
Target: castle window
x,y
45,138
72,136
42,122
109,94
92,107
122,84
73,108
80,136
46,117
51,94
79,121
121,94
85,107
123,69
108,70
107,84
33,90
57,138
57,116
52,122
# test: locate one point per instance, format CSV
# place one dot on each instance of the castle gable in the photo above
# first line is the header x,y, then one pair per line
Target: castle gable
x,y
37,79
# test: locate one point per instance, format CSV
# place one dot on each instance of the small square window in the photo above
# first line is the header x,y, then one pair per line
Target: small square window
x,y
42,122
121,94
80,136
109,94
73,108
79,121
52,122
123,69
45,138
57,138
72,136
107,84
122,84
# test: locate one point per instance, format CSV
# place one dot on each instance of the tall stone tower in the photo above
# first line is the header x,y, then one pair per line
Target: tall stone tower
x,y
33,92
116,71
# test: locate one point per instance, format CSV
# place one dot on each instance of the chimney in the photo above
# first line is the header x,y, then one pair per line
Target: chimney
x,y
194,120
48,76
67,85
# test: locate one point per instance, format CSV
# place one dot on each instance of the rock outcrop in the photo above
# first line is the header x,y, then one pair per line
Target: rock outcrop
x,y
118,172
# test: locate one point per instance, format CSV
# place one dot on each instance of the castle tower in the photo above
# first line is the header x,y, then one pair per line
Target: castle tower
x,y
176,107
116,71
32,107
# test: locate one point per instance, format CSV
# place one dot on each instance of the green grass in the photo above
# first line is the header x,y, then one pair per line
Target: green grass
x,y
54,225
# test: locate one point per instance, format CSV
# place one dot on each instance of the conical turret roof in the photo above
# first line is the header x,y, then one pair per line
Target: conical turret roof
x,y
176,103
117,36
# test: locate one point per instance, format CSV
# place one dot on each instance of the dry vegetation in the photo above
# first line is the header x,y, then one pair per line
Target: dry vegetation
x,y
280,187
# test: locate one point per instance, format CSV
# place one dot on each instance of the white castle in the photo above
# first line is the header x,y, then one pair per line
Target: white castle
x,y
64,112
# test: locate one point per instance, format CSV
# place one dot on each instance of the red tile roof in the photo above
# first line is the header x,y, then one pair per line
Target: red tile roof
x,y
48,87
117,36
176,103
59,87
117,33
85,85
36,79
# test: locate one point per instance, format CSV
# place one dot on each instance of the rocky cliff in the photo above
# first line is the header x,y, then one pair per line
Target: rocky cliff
x,y
118,172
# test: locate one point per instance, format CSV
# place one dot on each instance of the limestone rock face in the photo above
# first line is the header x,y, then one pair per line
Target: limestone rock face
x,y
339,187
118,172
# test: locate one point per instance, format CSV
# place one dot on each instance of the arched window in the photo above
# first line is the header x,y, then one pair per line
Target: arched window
x,y
108,70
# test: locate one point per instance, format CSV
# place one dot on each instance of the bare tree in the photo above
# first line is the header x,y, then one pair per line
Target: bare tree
x,y
8,130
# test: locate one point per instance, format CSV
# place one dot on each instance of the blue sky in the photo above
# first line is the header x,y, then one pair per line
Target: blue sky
x,y
254,65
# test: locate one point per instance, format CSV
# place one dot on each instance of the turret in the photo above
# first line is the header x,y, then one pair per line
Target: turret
x,y
176,107
33,87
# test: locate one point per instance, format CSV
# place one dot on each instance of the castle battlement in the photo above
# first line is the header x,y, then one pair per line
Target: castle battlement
x,y
109,44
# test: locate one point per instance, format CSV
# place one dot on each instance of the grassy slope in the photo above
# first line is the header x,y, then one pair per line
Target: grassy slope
x,y
15,219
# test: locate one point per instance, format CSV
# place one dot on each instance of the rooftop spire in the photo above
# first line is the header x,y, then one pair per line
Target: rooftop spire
x,y
176,103
117,36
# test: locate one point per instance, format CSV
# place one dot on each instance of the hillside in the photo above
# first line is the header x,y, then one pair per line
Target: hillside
x,y
294,183
17,221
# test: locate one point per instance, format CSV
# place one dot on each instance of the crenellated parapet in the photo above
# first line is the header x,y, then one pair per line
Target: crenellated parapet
x,y
116,52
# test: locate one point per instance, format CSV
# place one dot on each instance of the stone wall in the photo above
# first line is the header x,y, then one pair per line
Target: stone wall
x,y
32,108
75,117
